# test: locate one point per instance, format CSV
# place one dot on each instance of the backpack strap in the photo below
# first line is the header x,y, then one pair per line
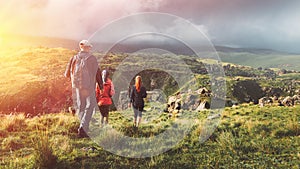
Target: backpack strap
x,y
73,62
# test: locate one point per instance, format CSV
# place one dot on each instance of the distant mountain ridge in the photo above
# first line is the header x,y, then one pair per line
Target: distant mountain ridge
x,y
249,50
24,40
255,57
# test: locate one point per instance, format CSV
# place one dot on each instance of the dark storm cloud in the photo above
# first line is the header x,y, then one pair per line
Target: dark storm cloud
x,y
255,23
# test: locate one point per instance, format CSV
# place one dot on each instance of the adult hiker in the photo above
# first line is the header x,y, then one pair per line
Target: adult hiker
x,y
83,69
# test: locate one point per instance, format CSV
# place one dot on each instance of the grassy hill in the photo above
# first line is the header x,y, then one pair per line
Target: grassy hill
x,y
31,79
248,136
262,59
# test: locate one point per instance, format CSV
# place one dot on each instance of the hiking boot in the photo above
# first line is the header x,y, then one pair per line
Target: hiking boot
x,y
82,133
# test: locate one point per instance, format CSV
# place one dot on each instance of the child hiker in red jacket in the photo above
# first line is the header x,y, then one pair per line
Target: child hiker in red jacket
x,y
104,97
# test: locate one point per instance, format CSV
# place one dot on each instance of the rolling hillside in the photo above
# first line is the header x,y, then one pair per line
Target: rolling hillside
x,y
260,58
31,79
248,136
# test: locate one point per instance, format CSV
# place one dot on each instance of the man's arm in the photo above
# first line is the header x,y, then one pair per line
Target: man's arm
x,y
68,68
99,79
95,71
112,89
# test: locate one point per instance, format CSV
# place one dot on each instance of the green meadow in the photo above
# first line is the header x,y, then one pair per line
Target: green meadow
x,y
36,131
248,136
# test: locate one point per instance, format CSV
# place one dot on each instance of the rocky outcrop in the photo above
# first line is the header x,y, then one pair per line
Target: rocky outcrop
x,y
280,101
192,100
288,101
296,99
291,100
174,104
265,101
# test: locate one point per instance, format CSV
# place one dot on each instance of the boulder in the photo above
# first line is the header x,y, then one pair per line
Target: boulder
x,y
296,99
203,105
192,100
288,101
203,92
264,101
174,104
156,96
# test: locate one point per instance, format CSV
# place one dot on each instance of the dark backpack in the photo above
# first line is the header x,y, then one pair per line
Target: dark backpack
x,y
137,97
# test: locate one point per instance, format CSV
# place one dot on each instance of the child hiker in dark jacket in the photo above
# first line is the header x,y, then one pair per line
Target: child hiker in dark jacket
x,y
137,95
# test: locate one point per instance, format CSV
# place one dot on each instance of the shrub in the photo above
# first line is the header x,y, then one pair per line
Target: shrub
x,y
11,143
14,123
3,133
293,126
227,141
61,145
262,129
43,156
284,133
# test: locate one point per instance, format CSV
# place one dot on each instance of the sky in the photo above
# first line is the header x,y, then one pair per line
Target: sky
x,y
271,24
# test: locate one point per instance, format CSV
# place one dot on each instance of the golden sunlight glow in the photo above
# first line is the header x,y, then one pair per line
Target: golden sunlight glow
x,y
12,23
3,39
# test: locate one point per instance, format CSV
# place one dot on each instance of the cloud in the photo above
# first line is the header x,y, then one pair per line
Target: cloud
x,y
146,27
70,19
255,23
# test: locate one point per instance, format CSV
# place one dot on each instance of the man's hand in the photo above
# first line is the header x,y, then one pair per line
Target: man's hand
x,y
129,105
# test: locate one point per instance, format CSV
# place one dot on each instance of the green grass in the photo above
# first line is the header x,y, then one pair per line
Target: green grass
x,y
290,76
247,137
268,60
22,66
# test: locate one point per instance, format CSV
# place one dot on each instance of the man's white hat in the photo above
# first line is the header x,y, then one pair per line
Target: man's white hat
x,y
85,43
